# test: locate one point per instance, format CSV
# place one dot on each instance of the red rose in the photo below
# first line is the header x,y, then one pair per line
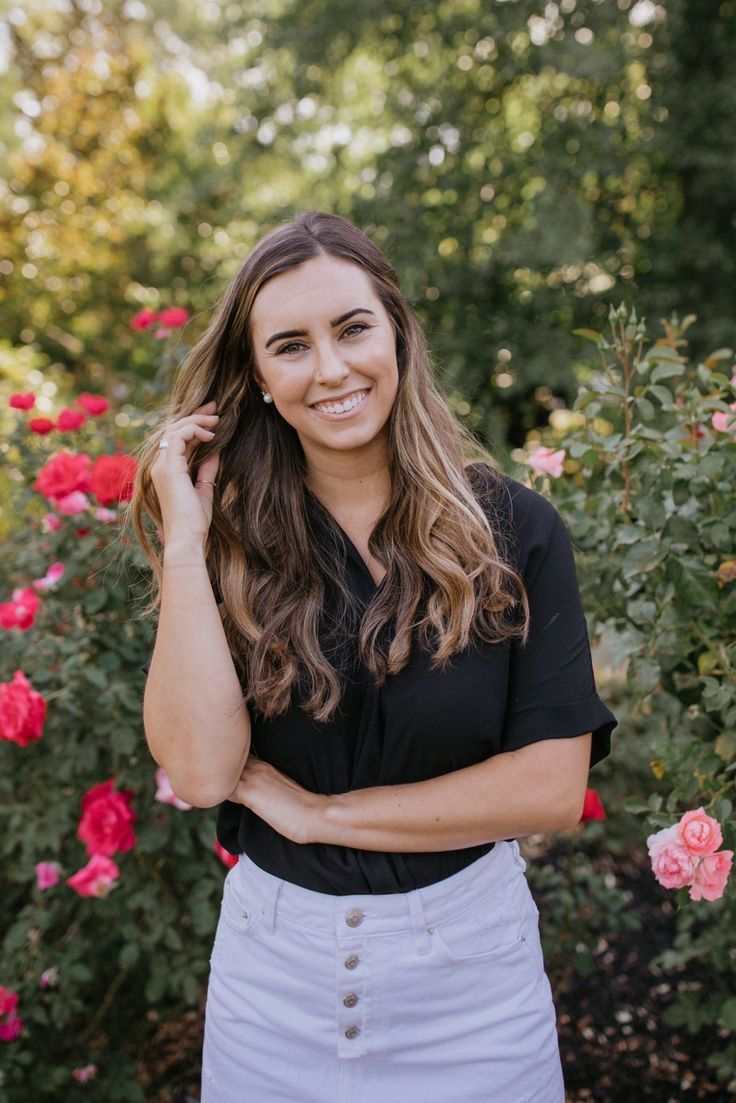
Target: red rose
x,y
143,319
112,478
174,316
69,420
107,819
592,807
94,404
22,401
20,611
225,856
22,711
41,425
62,474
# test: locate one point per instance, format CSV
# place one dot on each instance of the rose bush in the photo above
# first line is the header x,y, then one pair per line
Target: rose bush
x,y
642,469
109,889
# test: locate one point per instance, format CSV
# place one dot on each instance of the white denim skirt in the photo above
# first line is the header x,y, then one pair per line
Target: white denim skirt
x,y
438,995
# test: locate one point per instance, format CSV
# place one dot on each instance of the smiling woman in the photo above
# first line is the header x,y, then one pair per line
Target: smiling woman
x,y
371,653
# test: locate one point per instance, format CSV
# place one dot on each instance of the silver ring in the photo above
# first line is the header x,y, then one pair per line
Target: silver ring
x,y
163,444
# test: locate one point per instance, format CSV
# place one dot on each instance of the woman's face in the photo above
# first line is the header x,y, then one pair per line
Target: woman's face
x,y
308,351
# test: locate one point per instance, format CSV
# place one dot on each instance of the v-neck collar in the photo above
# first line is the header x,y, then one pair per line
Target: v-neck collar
x,y
352,551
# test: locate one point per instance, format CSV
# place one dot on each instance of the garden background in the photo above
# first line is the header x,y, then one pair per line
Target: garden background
x,y
542,177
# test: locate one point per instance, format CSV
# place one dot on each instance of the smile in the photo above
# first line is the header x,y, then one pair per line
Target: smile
x,y
338,410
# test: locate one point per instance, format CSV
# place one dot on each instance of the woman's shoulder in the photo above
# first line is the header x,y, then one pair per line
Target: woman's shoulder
x,y
513,508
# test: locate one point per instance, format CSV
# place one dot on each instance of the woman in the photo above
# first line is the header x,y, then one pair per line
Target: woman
x,y
371,654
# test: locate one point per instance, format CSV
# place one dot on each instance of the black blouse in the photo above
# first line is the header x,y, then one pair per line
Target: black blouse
x,y
422,723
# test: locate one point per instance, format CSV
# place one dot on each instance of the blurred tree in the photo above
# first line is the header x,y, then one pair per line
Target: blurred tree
x,y
523,166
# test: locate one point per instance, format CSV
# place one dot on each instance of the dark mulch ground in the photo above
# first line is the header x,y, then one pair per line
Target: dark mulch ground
x,y
615,1047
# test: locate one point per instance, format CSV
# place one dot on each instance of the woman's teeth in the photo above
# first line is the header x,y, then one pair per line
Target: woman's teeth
x,y
341,407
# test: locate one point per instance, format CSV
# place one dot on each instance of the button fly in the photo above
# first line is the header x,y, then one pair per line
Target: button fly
x,y
351,962
350,1000
352,1032
354,917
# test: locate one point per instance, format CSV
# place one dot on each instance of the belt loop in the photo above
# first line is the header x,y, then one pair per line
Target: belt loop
x,y
421,934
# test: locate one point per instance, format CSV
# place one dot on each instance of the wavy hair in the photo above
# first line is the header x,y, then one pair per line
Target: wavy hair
x,y
448,573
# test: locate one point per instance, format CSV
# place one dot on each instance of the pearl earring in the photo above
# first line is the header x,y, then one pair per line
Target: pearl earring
x,y
267,397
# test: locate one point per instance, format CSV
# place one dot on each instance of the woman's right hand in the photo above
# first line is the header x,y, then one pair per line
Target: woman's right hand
x,y
186,507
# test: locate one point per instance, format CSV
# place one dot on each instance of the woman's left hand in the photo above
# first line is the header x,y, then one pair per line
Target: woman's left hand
x,y
291,810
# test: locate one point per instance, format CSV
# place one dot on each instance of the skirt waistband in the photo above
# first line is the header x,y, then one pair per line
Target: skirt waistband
x,y
499,874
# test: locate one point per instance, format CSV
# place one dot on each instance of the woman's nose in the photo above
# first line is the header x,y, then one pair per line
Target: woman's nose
x,y
328,362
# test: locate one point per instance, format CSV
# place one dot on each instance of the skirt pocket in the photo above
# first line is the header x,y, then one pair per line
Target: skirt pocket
x,y
239,910
497,928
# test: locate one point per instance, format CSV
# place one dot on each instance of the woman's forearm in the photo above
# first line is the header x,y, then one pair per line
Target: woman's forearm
x,y
196,722
536,789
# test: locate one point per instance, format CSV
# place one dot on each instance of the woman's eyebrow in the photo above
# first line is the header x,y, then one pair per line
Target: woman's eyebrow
x,y
304,332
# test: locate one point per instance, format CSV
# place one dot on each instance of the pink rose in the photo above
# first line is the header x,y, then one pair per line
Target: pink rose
x,y
106,515
700,833
166,794
672,863
72,504
22,401
94,404
547,461
22,711
52,576
49,977
85,1073
47,874
51,523
68,420
711,875
724,423
8,1000
96,878
107,821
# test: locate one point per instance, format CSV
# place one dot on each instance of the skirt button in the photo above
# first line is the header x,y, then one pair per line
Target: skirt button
x,y
354,917
351,962
352,1032
350,1000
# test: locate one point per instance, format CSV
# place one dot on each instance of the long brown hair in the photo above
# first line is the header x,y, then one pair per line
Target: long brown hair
x,y
434,538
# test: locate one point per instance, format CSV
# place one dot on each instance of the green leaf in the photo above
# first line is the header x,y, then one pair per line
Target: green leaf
x,y
666,371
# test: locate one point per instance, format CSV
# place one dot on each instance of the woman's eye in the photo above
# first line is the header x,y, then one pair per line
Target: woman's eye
x,y
359,326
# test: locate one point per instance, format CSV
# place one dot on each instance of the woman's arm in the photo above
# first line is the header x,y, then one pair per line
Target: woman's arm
x,y
533,790
536,789
194,715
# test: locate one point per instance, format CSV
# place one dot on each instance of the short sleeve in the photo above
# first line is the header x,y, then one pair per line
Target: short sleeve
x,y
552,692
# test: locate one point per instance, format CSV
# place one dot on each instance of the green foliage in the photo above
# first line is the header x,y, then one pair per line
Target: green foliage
x,y
647,493
523,165
145,945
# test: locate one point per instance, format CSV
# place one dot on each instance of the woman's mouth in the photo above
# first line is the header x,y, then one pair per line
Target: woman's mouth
x,y
337,411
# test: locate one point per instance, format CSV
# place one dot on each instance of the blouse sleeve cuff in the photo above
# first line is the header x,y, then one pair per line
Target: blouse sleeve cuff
x,y
538,722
